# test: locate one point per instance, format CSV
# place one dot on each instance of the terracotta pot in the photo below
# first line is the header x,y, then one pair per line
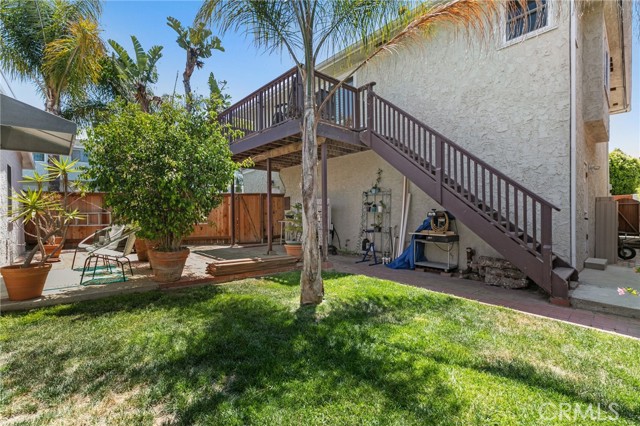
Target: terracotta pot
x,y
25,283
294,250
168,265
150,245
51,248
141,249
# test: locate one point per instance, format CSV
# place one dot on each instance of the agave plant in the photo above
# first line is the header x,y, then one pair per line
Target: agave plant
x,y
48,213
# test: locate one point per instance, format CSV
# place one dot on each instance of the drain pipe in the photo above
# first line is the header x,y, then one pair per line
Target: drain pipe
x,y
573,127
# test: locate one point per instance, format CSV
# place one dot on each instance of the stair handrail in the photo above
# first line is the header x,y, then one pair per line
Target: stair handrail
x,y
493,170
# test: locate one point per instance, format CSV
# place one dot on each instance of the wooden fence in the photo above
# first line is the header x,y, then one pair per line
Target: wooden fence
x,y
250,226
628,215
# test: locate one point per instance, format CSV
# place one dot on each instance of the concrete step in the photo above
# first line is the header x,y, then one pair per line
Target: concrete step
x,y
596,263
598,291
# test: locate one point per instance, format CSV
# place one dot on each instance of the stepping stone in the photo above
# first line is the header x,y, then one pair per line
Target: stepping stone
x,y
595,263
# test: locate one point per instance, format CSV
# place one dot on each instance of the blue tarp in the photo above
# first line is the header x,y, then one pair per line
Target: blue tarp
x,y
406,259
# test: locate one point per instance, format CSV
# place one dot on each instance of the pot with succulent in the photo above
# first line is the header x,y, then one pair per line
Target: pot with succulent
x,y
182,164
293,228
47,216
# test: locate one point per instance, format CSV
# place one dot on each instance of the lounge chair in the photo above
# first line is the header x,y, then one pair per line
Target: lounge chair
x,y
109,237
108,256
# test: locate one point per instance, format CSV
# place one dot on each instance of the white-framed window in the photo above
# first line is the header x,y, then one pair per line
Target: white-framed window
x,y
38,156
526,18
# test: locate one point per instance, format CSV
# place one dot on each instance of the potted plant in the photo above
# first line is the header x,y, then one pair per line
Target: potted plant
x,y
293,228
164,171
47,216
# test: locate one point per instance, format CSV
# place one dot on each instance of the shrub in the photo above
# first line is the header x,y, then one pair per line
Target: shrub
x,y
163,171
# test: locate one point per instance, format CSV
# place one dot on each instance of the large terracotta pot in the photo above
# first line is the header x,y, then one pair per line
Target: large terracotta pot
x,y
25,283
168,265
150,245
141,249
294,250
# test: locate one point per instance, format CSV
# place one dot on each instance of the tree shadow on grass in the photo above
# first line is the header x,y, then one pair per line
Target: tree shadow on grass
x,y
222,357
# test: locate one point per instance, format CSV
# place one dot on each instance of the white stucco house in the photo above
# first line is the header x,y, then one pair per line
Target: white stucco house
x,y
24,130
509,134
12,164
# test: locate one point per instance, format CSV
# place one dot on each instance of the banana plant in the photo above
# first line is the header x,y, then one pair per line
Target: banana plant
x,y
199,43
137,76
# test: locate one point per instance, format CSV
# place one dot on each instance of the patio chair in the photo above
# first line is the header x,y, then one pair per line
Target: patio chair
x,y
108,237
108,256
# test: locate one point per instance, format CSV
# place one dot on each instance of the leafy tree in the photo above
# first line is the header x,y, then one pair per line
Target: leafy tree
x,y
199,43
136,77
53,43
624,173
163,171
305,29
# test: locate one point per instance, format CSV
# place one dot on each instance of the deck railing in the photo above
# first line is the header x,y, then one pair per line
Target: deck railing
x,y
281,100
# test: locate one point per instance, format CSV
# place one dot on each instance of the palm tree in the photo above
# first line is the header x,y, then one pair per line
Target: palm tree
x,y
137,76
198,43
308,28
53,43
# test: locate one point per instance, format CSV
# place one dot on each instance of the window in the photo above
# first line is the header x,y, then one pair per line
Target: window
x,y
607,64
38,156
522,20
80,155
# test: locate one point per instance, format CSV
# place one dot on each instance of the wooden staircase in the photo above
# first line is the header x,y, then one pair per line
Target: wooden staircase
x,y
512,219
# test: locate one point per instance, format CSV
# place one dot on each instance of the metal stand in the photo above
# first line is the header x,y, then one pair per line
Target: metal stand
x,y
370,252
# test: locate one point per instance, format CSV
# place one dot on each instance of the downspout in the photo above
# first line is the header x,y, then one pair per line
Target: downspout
x,y
573,128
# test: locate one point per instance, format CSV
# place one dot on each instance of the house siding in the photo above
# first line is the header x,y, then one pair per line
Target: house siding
x,y
510,106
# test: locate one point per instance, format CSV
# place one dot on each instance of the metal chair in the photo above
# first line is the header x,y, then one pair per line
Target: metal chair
x,y
107,256
108,237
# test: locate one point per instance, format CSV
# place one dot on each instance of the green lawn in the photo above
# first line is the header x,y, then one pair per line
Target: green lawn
x,y
374,353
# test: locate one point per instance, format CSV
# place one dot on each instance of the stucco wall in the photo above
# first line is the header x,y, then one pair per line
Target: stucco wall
x,y
255,181
592,122
508,105
11,236
349,176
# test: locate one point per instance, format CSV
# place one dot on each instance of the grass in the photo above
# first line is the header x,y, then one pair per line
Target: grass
x,y
374,353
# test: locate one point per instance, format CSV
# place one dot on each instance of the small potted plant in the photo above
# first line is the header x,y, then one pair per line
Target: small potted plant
x,y
48,215
293,228
376,186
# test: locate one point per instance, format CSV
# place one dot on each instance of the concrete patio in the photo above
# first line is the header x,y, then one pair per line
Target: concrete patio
x,y
63,287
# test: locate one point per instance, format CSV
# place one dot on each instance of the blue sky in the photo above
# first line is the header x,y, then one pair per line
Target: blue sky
x,y
245,69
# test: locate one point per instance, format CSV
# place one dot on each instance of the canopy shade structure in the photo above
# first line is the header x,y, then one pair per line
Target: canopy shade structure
x,y
26,128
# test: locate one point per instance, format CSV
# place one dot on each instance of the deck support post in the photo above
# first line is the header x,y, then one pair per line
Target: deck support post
x,y
232,206
269,210
325,207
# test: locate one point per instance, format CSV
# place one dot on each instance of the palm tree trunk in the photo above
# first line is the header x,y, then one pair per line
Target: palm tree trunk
x,y
186,78
311,286
52,106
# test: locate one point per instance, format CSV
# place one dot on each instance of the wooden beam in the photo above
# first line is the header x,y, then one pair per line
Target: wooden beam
x,y
269,210
283,150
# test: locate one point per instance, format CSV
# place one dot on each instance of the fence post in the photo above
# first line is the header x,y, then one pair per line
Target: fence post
x,y
357,110
439,167
370,111
547,247
261,111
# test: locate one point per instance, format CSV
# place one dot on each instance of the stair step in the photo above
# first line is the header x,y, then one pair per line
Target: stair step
x,y
564,273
